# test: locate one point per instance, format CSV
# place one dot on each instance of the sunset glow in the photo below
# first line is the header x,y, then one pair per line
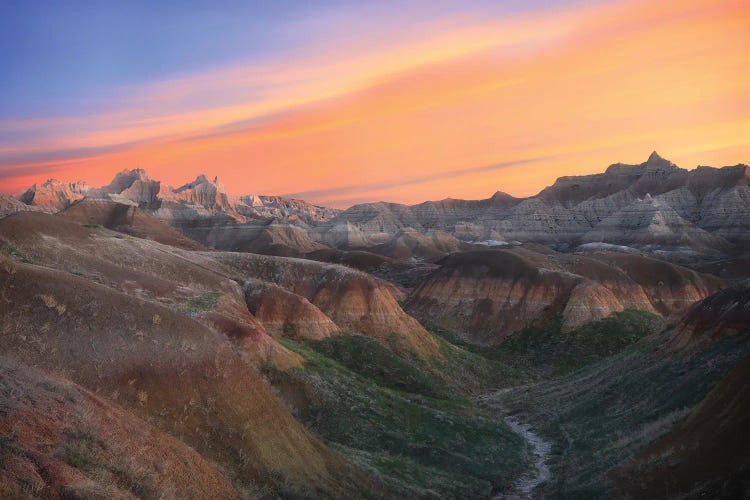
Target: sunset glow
x,y
460,103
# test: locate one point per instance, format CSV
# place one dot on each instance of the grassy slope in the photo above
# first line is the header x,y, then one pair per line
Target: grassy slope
x,y
401,421
545,352
414,426
600,416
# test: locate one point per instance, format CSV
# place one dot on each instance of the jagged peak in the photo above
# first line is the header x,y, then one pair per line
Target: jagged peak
x,y
654,157
656,161
200,179
501,195
54,183
137,173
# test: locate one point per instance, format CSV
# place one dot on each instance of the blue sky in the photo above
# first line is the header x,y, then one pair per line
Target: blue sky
x,y
60,57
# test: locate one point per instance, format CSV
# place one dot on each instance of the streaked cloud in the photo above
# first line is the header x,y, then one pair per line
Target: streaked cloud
x,y
404,116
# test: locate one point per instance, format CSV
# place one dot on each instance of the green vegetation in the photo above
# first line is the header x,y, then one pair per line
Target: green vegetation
x,y
77,456
204,302
599,394
373,361
538,352
9,444
468,369
400,421
598,417
92,226
9,251
86,451
13,253
551,352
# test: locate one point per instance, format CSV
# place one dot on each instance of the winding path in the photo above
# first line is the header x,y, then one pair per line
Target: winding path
x,y
540,449
525,485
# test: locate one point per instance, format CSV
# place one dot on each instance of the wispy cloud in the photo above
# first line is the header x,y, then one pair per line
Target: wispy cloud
x,y
402,182
420,107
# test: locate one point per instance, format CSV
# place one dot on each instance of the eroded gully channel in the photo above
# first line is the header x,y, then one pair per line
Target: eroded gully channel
x,y
540,450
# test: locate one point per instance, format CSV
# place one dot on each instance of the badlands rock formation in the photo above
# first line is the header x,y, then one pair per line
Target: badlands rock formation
x,y
145,270
483,296
270,238
655,207
163,366
656,197
133,185
127,219
356,302
54,195
410,244
201,199
285,209
284,313
10,205
654,223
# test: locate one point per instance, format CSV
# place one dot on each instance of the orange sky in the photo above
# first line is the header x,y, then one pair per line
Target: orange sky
x,y
561,92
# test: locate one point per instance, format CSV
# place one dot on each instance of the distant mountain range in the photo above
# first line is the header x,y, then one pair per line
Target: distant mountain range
x,y
655,207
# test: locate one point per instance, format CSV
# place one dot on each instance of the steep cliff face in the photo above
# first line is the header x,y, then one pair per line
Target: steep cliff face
x,y
354,301
208,194
133,185
651,222
10,205
53,194
485,295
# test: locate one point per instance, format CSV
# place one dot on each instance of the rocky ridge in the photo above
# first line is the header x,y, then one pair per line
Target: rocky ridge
x,y
483,296
656,198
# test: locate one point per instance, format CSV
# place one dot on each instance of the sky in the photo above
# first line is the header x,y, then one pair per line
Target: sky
x,y
341,102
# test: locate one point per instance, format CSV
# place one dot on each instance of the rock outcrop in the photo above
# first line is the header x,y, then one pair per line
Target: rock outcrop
x,y
356,302
483,296
127,219
653,223
657,199
410,244
133,185
285,209
287,314
53,194
10,205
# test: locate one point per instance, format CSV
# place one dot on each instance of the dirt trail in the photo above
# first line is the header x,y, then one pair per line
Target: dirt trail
x,y
525,485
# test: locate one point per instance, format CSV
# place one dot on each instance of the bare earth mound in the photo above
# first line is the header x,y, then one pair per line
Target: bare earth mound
x,y
485,295
60,440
